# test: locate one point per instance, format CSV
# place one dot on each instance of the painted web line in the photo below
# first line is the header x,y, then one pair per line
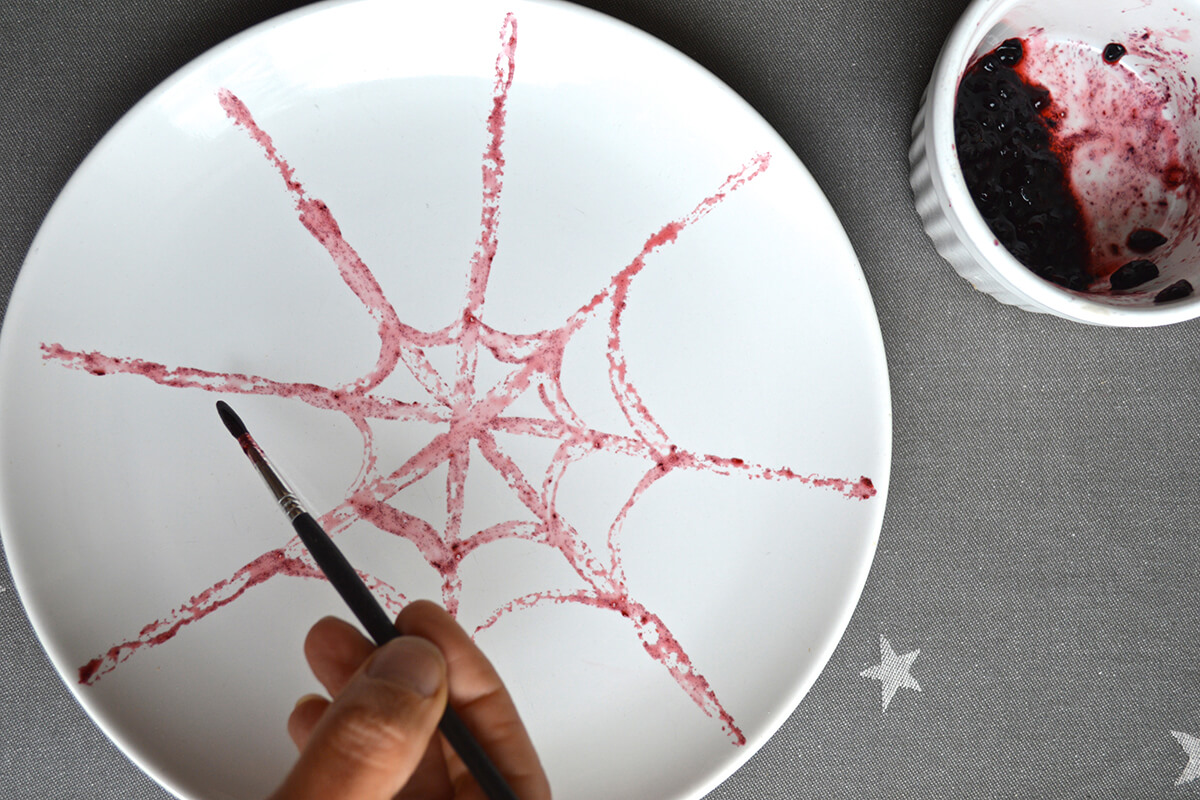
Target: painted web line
x,y
471,414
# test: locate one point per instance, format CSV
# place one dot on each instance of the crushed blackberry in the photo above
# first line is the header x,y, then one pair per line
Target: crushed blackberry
x,y
1018,183
1113,52
1010,52
1143,240
1176,291
1135,273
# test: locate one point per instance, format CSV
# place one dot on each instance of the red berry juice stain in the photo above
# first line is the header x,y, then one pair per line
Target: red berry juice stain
x,y
470,415
222,593
1075,159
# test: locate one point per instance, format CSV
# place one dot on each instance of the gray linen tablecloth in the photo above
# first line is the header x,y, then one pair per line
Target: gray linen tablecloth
x,y
1028,628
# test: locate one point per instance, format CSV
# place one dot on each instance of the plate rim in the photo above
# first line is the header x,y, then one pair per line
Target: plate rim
x,y
848,602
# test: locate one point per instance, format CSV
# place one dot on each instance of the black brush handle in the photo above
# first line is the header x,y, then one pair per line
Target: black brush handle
x,y
343,577
472,755
364,605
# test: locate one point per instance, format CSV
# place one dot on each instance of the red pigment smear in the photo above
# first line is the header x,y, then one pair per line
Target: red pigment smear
x,y
222,593
656,639
1116,130
471,416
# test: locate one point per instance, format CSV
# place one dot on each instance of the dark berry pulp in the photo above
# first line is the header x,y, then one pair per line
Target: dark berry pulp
x,y
1019,184
1176,291
1143,240
1135,273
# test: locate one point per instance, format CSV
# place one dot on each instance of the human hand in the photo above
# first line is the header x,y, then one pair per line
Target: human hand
x,y
378,738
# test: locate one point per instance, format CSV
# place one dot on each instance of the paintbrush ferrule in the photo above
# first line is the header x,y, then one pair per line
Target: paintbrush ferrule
x,y
287,499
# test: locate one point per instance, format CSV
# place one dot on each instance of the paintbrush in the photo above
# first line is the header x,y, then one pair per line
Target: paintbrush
x,y
356,594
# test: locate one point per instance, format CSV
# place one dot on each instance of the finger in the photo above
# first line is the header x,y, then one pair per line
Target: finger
x,y
304,718
374,734
335,650
430,778
480,698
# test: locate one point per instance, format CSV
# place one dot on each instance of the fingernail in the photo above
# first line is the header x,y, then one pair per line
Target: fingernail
x,y
411,661
308,698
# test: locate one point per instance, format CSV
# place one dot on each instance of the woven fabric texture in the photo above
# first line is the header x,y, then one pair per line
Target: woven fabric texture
x,y
1028,628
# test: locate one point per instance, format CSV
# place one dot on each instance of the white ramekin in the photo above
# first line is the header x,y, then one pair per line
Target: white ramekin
x,y
958,231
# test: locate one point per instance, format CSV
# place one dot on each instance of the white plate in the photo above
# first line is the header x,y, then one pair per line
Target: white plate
x,y
747,340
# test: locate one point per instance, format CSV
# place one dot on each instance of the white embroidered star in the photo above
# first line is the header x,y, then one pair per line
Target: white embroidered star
x,y
892,671
1191,746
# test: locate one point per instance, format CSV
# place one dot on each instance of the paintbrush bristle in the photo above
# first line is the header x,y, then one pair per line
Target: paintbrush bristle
x,y
232,421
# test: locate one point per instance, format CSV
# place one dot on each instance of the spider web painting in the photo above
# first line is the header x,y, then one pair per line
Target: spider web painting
x,y
470,415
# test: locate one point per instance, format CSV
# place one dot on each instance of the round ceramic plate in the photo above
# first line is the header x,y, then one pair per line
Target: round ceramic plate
x,y
544,321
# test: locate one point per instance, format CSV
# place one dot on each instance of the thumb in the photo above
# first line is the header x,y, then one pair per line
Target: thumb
x,y
370,740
